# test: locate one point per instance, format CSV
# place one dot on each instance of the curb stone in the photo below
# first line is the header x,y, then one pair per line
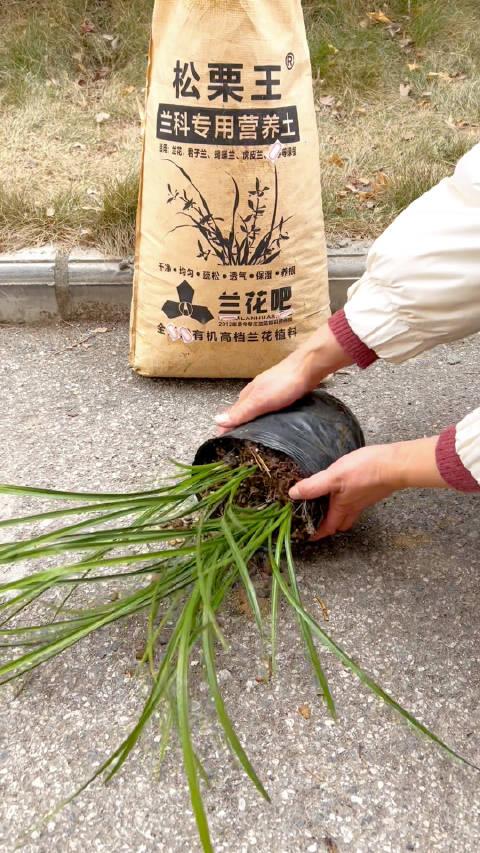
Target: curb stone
x,y
46,284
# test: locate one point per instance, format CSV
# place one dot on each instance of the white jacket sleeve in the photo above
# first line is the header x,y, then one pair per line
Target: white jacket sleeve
x,y
422,283
458,454
467,443
422,288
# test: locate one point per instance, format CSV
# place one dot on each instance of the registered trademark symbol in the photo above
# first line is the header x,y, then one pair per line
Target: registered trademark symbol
x,y
290,61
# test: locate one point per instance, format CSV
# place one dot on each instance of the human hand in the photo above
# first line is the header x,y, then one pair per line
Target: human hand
x,y
287,381
366,476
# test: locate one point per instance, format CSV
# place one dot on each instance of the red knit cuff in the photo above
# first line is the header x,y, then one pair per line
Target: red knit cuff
x,y
451,466
350,342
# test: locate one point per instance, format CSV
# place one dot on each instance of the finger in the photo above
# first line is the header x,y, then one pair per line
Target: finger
x,y
240,410
227,419
338,525
240,413
313,487
251,407
324,531
336,517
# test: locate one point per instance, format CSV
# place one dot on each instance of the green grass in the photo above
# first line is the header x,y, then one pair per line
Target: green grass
x,y
59,219
413,176
111,222
115,225
409,182
348,59
56,76
356,56
49,39
177,551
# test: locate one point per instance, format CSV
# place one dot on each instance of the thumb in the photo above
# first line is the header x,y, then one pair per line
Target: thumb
x,y
312,487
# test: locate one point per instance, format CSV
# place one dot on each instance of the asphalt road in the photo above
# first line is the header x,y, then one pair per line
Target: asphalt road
x,y
403,592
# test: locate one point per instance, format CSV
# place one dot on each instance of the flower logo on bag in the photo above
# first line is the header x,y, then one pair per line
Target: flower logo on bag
x,y
256,232
185,306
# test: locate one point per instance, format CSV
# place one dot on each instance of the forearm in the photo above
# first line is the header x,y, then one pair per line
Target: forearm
x,y
426,463
321,355
413,465
436,462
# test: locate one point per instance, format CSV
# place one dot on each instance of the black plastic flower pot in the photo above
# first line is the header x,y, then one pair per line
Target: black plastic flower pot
x,y
295,442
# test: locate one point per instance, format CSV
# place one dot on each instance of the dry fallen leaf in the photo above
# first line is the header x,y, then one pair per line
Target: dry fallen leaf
x,y
360,186
394,29
327,101
101,73
414,66
87,27
405,90
50,211
304,711
381,181
379,17
240,603
411,540
457,124
336,160
100,118
448,78
323,607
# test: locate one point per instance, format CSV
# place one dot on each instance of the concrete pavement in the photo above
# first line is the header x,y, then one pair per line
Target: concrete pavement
x,y
403,591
